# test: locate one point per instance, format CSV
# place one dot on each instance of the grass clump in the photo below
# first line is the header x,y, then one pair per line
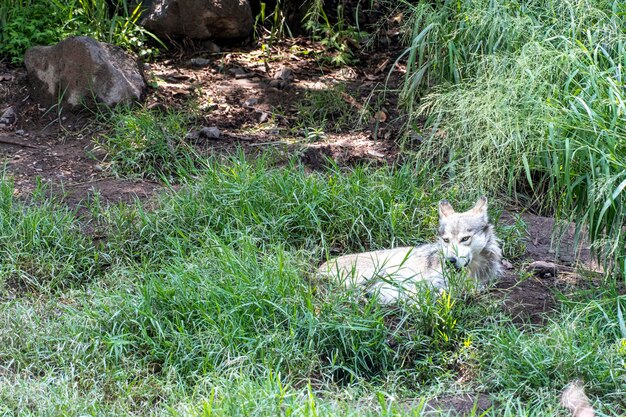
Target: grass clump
x,y
585,341
224,308
150,145
327,110
336,211
41,246
528,101
339,37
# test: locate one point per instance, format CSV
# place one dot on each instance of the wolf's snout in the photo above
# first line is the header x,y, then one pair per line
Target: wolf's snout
x,y
453,262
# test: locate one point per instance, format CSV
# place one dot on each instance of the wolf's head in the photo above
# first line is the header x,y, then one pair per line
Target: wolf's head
x,y
463,235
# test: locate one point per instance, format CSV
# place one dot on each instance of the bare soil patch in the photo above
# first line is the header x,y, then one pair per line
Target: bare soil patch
x,y
527,296
239,92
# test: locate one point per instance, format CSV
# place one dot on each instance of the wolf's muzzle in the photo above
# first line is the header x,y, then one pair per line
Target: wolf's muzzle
x,y
454,262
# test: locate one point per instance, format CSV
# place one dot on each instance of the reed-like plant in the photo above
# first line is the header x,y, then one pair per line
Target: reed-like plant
x,y
527,98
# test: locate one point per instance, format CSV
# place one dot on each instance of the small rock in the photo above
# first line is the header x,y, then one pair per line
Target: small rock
x,y
209,46
236,71
284,74
209,132
380,116
250,102
8,117
199,62
542,269
506,264
375,154
20,132
248,76
279,84
208,107
263,117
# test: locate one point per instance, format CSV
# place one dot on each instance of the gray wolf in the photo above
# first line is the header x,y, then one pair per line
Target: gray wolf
x,y
466,241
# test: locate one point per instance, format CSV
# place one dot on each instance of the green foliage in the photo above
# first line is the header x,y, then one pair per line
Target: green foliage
x,y
149,144
27,23
340,38
367,208
91,18
447,37
513,238
24,24
274,19
528,102
587,149
225,308
41,246
326,110
584,342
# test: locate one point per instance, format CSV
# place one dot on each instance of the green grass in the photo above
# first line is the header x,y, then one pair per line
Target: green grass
x,y
207,305
204,301
148,144
527,99
329,110
590,346
42,247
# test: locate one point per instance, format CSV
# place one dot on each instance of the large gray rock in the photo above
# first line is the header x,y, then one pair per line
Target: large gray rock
x,y
82,71
199,19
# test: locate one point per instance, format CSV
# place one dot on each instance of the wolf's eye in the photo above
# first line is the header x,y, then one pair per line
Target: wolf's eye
x,y
465,239
446,240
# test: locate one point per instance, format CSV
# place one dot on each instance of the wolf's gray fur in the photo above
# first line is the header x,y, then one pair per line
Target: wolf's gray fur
x,y
466,240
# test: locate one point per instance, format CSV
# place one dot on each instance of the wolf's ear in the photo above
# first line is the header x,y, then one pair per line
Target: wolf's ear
x,y
445,209
480,207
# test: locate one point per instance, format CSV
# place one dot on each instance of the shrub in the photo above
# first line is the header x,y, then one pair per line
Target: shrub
x,y
27,23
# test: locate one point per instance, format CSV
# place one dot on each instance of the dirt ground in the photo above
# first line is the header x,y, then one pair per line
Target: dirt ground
x,y
238,92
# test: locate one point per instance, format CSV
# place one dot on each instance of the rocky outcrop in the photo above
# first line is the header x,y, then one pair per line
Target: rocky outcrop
x,y
199,19
81,71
